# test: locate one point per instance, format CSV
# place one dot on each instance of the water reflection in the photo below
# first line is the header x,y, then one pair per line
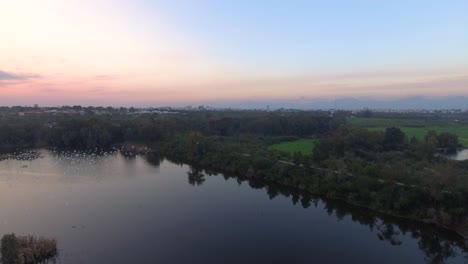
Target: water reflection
x,y
154,158
438,245
195,176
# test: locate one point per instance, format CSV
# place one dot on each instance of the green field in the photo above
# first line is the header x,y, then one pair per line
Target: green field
x,y
304,146
415,127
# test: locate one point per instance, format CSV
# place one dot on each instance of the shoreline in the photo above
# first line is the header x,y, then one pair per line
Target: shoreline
x,y
140,149
460,229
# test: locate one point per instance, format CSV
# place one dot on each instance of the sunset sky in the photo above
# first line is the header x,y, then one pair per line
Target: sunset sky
x,y
116,52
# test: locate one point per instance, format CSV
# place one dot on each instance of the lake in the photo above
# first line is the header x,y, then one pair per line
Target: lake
x,y
109,208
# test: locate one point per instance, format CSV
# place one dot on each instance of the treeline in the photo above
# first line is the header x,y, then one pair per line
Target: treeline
x,y
361,142
20,132
435,115
89,132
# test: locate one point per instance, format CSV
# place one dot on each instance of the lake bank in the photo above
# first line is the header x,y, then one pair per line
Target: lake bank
x,y
458,224
438,219
131,150
121,209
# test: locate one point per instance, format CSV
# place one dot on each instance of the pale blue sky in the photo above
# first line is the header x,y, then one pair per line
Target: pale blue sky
x,y
332,35
167,52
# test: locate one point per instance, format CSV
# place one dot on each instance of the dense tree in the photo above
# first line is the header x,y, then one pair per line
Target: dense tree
x,y
448,142
394,139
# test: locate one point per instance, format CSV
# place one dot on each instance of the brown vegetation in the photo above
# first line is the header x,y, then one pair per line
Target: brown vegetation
x,y
27,249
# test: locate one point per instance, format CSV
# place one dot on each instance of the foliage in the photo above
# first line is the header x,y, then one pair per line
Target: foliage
x,y
93,131
10,249
304,146
417,128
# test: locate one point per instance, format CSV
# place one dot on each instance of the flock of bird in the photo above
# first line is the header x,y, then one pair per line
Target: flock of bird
x,y
70,163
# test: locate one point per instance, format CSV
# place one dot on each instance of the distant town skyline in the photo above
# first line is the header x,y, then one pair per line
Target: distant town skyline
x,y
231,53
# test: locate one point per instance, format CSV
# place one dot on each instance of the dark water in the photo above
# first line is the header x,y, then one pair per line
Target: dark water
x,y
112,209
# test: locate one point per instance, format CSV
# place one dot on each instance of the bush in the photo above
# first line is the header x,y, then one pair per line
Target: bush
x,y
10,249
27,249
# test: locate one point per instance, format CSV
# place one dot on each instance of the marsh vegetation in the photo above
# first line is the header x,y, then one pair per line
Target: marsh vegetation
x,y
27,249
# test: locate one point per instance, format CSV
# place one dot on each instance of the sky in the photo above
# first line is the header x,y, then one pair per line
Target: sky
x,y
189,52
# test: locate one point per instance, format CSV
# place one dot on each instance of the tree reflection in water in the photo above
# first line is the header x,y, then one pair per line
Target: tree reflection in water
x,y
438,244
195,176
154,158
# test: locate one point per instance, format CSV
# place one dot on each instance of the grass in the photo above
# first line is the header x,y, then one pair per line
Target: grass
x,y
415,127
304,146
